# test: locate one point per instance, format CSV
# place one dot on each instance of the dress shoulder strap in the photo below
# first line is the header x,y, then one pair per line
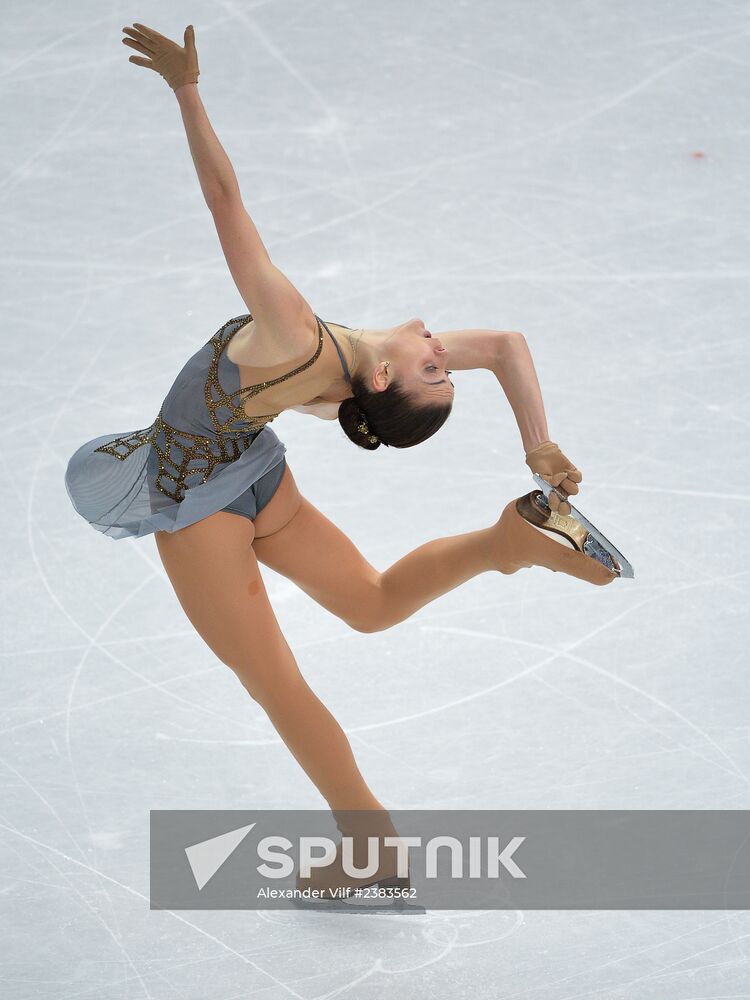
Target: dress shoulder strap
x,y
253,390
344,365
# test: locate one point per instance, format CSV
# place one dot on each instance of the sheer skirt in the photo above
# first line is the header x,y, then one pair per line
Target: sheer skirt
x,y
198,455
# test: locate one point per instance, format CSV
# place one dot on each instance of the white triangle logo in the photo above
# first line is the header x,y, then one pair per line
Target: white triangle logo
x,y
207,857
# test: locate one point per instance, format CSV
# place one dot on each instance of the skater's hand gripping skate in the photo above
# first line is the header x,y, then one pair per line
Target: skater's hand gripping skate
x,y
176,64
549,462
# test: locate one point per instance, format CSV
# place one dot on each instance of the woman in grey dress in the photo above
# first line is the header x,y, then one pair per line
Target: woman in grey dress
x,y
208,476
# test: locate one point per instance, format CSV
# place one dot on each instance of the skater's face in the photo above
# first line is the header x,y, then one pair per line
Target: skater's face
x,y
419,362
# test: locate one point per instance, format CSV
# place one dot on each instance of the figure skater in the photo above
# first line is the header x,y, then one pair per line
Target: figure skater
x,y
209,479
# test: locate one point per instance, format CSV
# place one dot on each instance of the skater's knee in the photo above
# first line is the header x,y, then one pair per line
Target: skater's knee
x,y
259,688
269,680
366,624
374,615
274,696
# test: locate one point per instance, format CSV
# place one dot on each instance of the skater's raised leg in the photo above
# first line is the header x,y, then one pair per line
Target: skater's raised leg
x,y
327,565
310,550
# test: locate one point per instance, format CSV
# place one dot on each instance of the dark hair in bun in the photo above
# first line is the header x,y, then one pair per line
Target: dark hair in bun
x,y
390,417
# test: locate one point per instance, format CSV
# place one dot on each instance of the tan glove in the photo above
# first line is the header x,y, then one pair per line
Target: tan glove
x,y
549,462
178,66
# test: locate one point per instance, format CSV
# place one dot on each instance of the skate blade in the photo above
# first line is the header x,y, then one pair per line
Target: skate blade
x,y
396,908
356,900
598,546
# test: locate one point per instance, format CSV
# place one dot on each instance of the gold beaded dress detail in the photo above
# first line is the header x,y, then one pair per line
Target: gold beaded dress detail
x,y
198,455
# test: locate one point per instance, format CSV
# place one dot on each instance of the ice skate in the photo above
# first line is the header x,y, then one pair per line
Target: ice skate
x,y
593,542
533,535
351,900
384,891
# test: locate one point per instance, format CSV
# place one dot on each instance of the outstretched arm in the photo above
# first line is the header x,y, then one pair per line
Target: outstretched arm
x,y
283,318
178,66
215,171
284,322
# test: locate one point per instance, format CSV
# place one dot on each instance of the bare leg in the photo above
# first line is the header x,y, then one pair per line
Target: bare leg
x,y
215,574
213,567
309,549
325,563
433,569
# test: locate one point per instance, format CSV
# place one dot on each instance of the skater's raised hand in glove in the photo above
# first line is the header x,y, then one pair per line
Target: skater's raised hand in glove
x,y
549,462
176,64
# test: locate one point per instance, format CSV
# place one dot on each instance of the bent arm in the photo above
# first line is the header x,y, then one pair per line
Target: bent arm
x,y
506,354
514,370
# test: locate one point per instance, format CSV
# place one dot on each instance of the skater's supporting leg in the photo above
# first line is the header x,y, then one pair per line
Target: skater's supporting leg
x,y
215,575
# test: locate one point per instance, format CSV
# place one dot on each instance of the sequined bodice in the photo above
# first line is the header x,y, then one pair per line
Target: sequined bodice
x,y
218,398
189,439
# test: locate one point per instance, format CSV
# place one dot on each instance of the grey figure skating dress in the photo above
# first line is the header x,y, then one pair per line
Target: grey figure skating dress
x,y
200,455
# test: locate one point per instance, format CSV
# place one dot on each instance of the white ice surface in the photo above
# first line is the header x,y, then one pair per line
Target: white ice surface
x,y
575,171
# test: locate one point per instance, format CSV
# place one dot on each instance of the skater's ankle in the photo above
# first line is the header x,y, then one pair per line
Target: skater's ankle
x,y
371,821
497,554
356,804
